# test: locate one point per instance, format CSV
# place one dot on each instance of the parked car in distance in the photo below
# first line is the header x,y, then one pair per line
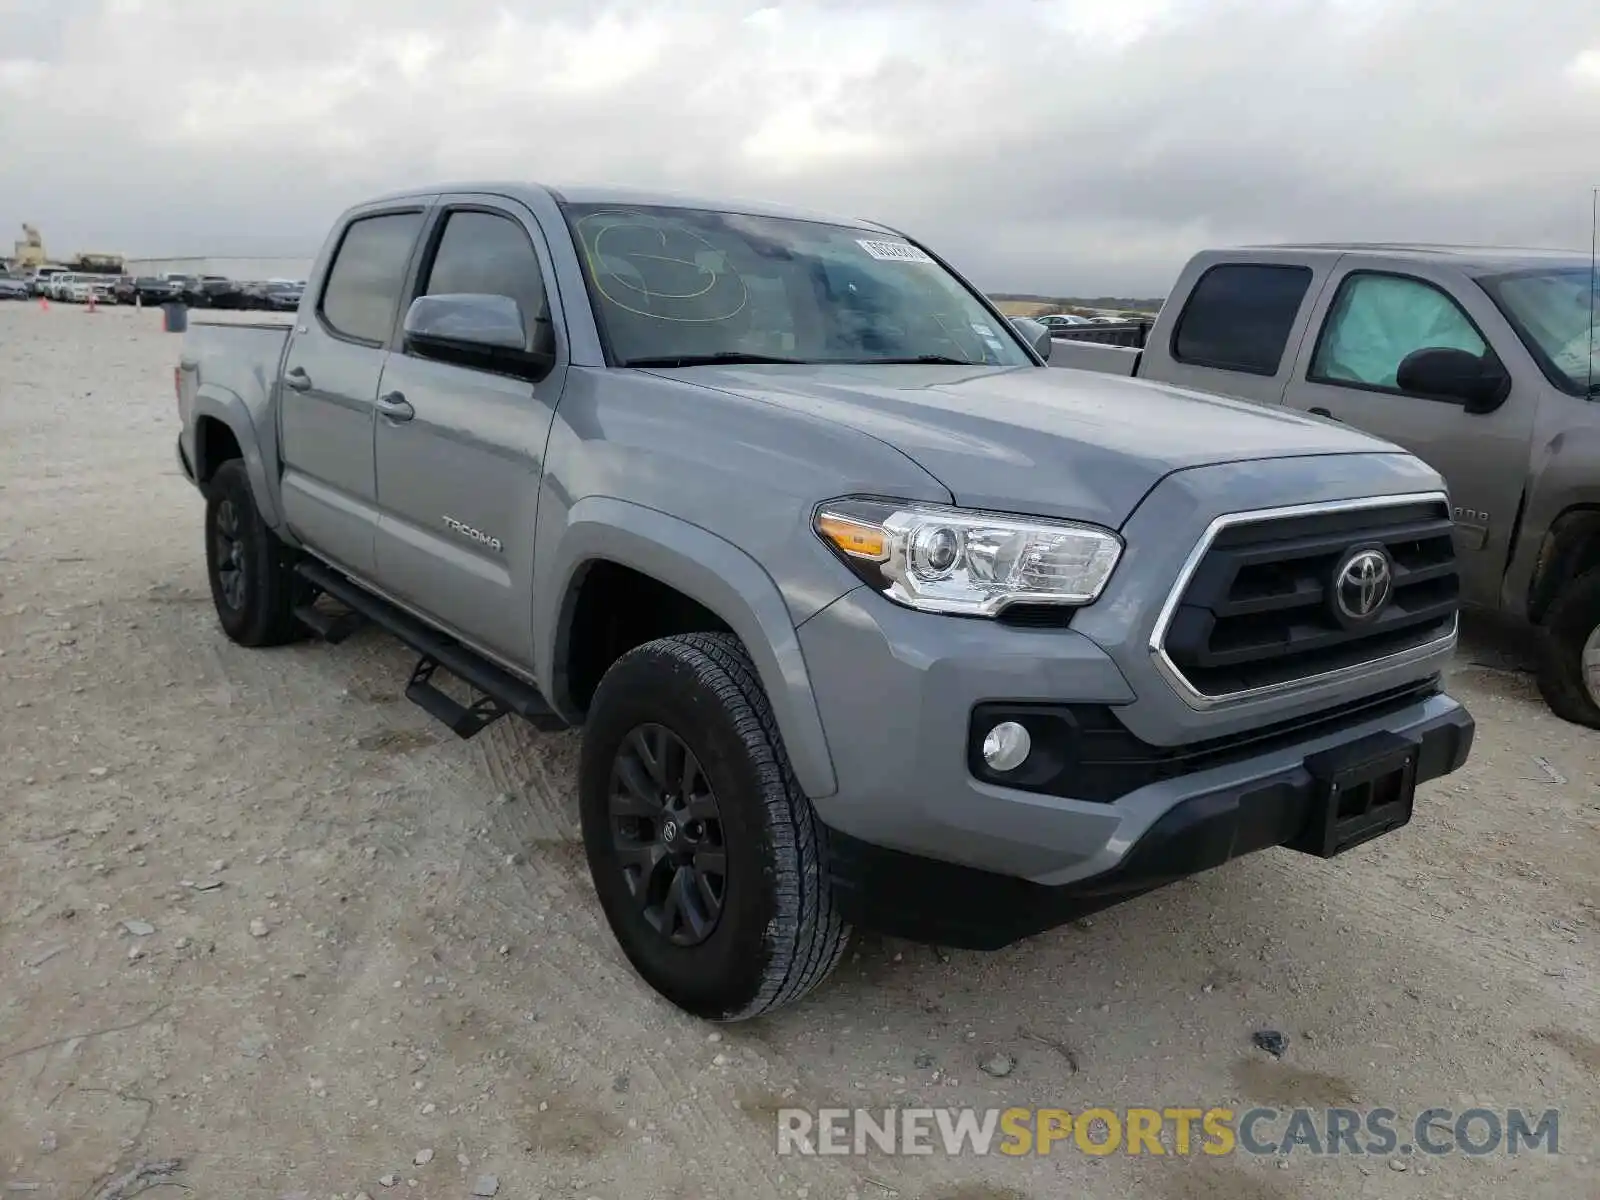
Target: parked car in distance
x,y
12,288
55,284
209,291
1481,361
39,280
1060,320
868,617
283,297
150,289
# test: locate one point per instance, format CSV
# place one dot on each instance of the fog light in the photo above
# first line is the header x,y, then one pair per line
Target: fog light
x,y
1006,746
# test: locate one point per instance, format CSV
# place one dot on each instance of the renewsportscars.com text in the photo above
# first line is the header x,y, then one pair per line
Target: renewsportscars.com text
x,y
1166,1131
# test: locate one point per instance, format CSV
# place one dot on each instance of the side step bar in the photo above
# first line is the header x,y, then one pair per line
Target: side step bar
x,y
501,691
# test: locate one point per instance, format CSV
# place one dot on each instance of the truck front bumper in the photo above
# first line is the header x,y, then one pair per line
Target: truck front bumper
x,y
921,846
925,899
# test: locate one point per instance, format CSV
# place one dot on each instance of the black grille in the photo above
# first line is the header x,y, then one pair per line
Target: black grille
x,y
1258,610
1084,751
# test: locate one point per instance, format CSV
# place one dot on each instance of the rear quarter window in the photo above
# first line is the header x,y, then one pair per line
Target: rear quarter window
x,y
1239,316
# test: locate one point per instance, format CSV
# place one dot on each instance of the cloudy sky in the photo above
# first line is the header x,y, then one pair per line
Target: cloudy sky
x,y
1074,146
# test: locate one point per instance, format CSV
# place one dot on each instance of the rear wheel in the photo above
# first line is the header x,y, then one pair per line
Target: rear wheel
x,y
706,855
251,571
1569,666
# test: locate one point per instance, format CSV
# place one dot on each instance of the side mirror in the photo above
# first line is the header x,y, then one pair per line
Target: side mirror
x,y
1480,383
1035,334
476,330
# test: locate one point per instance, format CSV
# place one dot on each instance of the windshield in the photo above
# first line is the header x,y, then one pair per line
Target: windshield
x,y
1553,312
675,286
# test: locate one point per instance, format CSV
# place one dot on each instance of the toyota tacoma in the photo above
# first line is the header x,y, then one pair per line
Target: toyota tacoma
x,y
868,617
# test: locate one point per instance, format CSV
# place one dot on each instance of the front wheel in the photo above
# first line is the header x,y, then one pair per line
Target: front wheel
x,y
706,855
1569,661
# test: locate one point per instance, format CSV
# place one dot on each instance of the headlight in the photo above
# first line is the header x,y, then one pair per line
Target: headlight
x,y
954,560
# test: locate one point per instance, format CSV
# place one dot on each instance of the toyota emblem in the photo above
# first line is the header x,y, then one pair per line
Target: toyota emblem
x,y
1362,585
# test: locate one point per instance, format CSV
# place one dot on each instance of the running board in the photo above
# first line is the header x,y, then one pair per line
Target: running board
x,y
501,692
464,720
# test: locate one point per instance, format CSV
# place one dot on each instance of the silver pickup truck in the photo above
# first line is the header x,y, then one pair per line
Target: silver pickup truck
x,y
867,616
1483,362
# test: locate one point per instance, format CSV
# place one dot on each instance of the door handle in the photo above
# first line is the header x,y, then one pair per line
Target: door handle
x,y
396,407
1322,412
296,380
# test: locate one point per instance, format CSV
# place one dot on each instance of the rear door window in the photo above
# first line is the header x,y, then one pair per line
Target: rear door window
x,y
1239,317
362,294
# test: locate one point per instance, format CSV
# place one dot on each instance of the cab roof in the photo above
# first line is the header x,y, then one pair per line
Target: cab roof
x,y
583,193
1475,260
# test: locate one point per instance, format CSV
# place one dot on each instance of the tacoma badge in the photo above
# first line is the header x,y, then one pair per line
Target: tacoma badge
x,y
476,535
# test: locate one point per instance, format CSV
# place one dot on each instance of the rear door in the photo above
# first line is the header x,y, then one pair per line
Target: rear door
x,y
1373,316
460,450
330,382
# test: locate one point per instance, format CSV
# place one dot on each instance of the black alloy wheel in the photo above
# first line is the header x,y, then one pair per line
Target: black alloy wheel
x,y
667,833
231,559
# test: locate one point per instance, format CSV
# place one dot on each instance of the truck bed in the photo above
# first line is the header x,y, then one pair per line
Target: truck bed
x,y
1094,356
233,363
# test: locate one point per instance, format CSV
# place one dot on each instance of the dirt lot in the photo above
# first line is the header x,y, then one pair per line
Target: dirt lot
x,y
258,914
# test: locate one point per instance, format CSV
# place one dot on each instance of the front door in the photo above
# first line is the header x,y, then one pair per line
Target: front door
x,y
460,451
330,380
1374,320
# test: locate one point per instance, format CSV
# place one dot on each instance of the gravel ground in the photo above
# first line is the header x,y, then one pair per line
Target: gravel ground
x,y
260,916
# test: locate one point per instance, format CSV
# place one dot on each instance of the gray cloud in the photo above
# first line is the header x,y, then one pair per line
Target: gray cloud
x,y
1051,145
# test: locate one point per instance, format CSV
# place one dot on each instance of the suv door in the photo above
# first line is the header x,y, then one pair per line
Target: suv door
x,y
460,450
329,383
1374,319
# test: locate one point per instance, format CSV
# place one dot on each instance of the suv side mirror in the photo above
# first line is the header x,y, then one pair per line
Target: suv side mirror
x,y
1035,333
1479,382
476,330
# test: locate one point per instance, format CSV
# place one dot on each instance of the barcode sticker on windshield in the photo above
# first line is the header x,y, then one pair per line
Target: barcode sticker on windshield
x,y
893,251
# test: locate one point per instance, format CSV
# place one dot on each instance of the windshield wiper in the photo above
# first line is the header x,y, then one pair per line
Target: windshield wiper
x,y
943,359
701,360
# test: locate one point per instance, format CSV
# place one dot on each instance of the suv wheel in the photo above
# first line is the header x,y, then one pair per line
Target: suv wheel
x,y
706,855
1569,666
251,573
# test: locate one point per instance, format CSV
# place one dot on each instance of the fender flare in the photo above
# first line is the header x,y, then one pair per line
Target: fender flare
x,y
708,569
220,404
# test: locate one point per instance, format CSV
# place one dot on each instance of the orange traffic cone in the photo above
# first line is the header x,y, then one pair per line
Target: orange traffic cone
x,y
44,303
91,300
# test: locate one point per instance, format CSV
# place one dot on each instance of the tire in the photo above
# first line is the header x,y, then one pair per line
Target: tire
x,y
1572,619
251,571
778,933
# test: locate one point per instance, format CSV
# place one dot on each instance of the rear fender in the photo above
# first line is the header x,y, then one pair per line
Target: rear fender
x,y
219,404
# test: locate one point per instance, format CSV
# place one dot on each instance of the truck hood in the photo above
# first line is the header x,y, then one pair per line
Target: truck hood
x,y
1060,443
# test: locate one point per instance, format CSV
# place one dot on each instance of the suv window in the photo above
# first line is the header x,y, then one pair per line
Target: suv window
x,y
1376,320
1239,316
491,255
363,288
